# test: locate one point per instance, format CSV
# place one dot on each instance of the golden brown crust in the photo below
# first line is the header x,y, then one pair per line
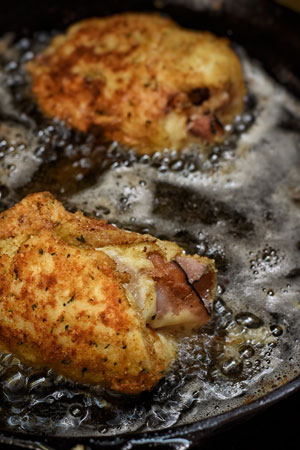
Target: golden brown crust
x,y
141,79
62,304
65,302
41,211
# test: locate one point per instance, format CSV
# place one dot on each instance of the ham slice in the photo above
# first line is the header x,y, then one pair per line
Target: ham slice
x,y
201,278
184,288
205,126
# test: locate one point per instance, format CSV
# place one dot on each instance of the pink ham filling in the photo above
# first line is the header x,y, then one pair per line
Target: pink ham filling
x,y
204,126
201,279
179,285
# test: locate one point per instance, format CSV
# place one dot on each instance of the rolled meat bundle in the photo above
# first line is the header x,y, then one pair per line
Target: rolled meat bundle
x,y
96,304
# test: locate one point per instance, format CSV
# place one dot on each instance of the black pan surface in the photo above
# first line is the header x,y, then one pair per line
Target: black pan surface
x,y
270,34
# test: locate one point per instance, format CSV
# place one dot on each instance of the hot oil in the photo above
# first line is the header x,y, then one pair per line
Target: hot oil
x,y
234,203
63,160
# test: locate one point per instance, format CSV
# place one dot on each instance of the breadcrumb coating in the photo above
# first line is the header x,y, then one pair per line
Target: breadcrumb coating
x,y
140,79
79,296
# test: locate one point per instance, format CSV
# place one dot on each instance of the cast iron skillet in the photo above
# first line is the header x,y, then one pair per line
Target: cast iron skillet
x,y
269,33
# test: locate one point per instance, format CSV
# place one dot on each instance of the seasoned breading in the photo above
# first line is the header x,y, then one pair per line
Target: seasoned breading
x,y
91,301
141,79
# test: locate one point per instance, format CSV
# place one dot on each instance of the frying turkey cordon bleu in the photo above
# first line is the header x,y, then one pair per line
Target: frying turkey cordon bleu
x,y
141,80
97,304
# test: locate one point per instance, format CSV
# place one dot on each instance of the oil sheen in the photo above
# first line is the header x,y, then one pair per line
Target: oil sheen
x,y
237,203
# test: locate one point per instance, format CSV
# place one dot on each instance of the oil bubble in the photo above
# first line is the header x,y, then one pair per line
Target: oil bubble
x,y
246,351
276,330
232,367
15,383
248,320
76,411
